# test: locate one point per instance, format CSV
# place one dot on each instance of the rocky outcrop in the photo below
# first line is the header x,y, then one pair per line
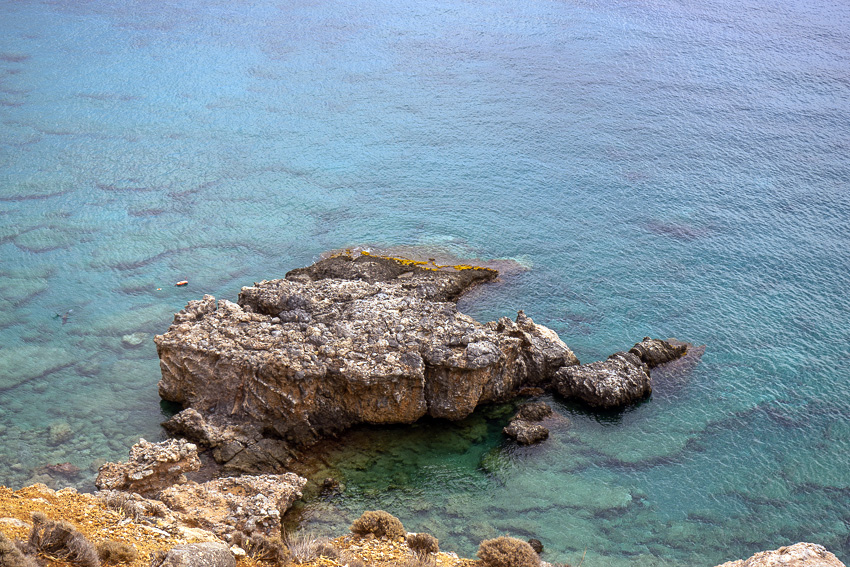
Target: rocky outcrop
x,y
621,379
523,430
248,504
797,555
624,377
655,352
151,467
240,446
351,339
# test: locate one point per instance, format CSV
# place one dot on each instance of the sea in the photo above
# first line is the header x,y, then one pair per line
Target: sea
x,y
665,168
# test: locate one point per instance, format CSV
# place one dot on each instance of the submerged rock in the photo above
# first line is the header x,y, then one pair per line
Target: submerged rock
x,y
621,379
151,467
533,411
797,555
521,427
525,432
351,339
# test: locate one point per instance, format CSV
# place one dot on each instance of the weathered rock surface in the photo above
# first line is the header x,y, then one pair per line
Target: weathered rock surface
x,y
621,379
526,432
533,411
348,340
151,467
205,554
521,427
655,352
240,446
247,503
797,555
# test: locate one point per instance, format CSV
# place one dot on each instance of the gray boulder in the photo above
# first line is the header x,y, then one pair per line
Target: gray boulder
x,y
621,379
526,433
206,554
655,352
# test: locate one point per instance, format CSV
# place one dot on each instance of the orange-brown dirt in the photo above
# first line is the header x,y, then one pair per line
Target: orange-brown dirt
x,y
97,523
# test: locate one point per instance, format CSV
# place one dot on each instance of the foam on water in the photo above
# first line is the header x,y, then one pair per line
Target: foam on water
x,y
664,168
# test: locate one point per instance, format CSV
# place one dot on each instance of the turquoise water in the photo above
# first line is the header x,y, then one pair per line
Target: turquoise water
x,y
663,168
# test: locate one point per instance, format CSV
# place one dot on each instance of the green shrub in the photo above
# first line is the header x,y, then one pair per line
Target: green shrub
x,y
11,556
62,541
111,551
379,523
423,543
507,552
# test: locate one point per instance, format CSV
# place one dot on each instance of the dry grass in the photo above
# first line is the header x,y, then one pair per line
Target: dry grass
x,y
61,540
305,547
11,556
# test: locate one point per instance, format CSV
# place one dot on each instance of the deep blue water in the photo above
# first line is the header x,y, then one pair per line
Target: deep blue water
x,y
664,168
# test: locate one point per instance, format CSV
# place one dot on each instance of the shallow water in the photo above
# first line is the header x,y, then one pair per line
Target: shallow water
x,y
663,168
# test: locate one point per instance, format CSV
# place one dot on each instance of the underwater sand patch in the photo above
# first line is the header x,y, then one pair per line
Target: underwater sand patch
x,y
19,364
13,57
37,186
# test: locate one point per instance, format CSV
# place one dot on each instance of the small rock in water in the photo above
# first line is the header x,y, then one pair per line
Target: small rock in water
x,y
536,545
534,411
63,469
134,340
526,433
59,433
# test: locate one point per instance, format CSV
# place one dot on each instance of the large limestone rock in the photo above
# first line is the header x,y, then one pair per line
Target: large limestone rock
x,y
151,467
348,340
247,503
797,555
621,379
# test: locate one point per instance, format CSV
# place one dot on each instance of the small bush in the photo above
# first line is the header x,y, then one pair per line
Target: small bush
x,y
423,543
61,541
507,552
379,523
325,549
111,551
263,548
11,556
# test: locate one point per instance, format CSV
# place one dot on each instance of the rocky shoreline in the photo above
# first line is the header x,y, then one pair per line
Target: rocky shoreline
x,y
363,339
352,339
